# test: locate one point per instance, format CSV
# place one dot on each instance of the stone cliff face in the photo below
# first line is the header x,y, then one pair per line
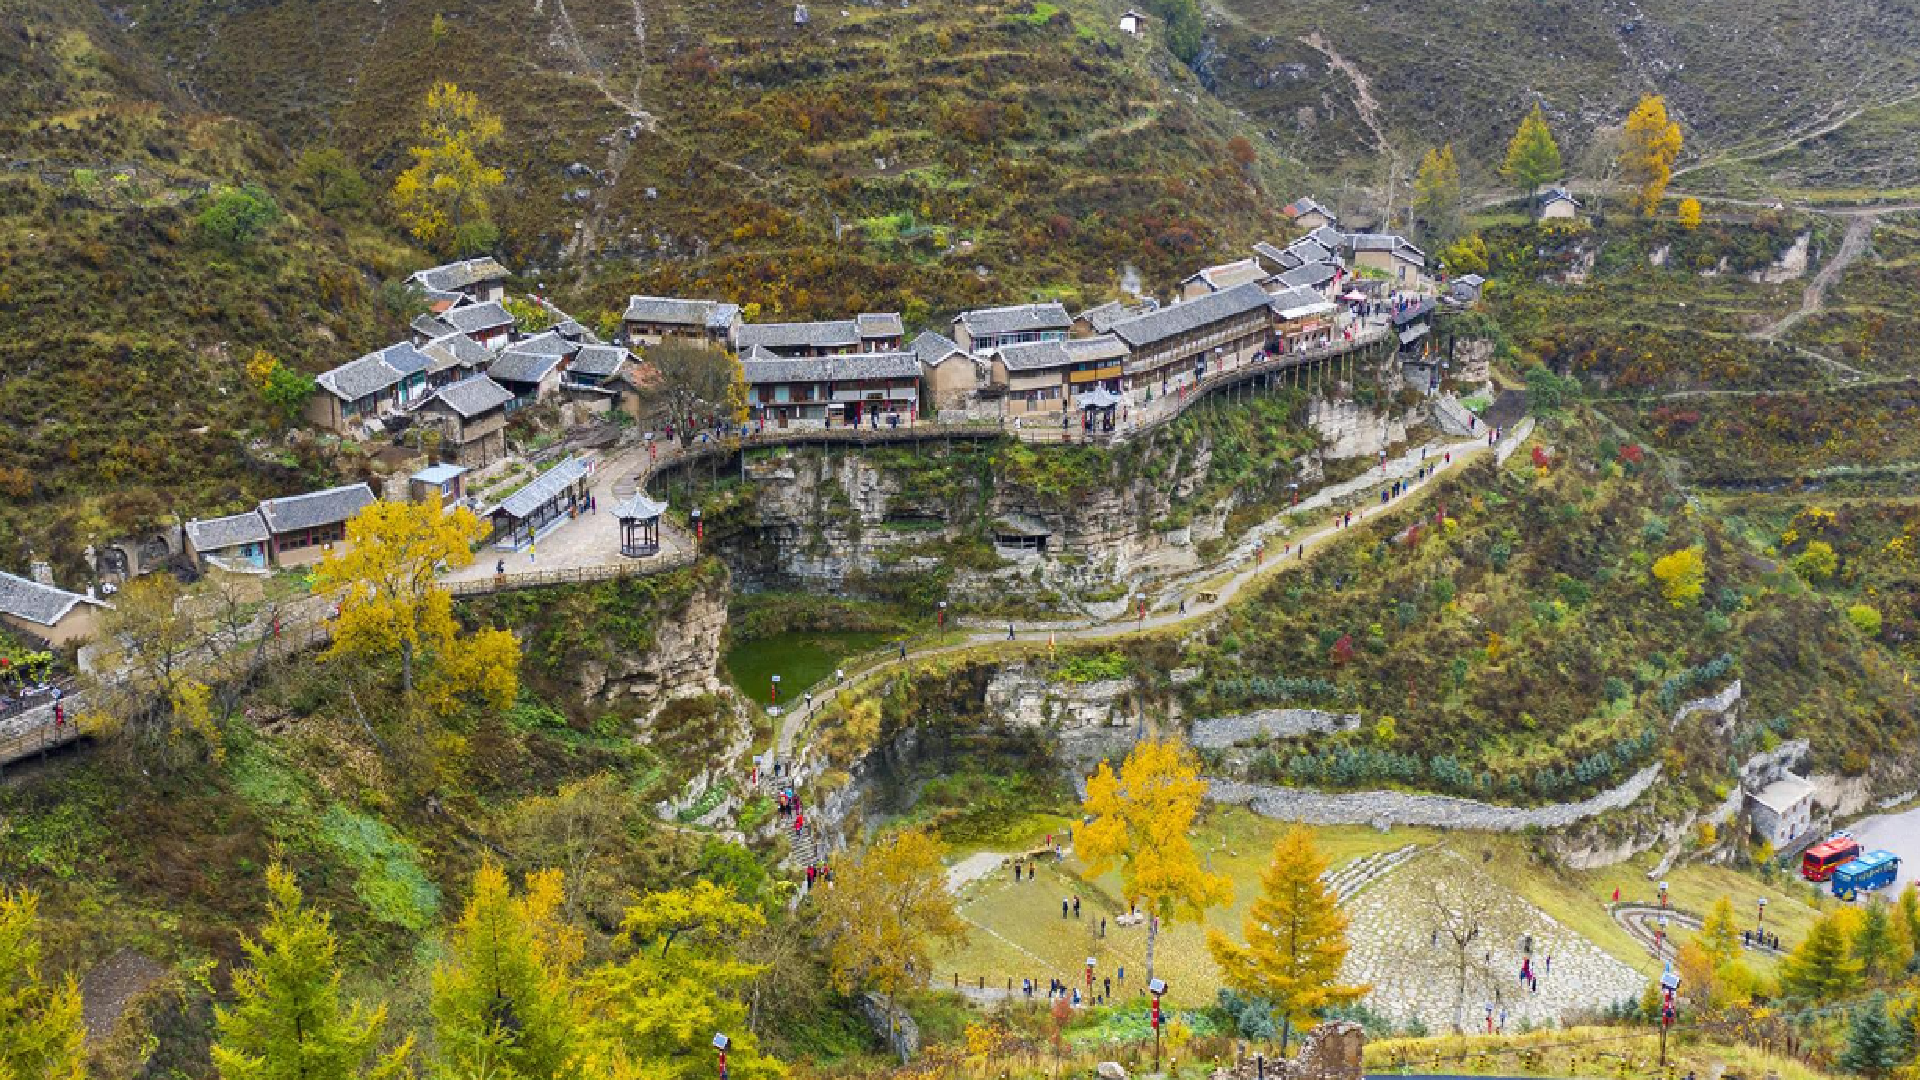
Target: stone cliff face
x,y
682,661
823,520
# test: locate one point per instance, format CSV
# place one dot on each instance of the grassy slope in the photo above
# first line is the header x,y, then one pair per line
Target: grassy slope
x,y
1442,72
1061,148
127,331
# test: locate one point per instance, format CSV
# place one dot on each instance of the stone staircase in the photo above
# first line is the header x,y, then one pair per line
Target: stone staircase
x,y
1348,880
1453,417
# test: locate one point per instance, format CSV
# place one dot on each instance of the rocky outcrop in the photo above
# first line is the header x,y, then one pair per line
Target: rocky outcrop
x,y
1331,1051
683,659
1353,430
1217,733
1386,808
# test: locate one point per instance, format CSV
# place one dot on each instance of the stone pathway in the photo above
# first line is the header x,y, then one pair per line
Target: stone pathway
x,y
1364,871
1414,972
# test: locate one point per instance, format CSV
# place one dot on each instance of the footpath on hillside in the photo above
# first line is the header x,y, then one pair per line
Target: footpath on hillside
x,y
1250,560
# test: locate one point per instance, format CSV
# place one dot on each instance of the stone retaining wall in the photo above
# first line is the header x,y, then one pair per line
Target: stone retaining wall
x,y
1218,733
1383,808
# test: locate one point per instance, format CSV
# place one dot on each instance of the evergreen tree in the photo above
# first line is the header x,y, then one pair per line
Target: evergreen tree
x,y
1533,158
1873,1042
288,1021
502,998
1719,933
1821,968
1873,943
1296,938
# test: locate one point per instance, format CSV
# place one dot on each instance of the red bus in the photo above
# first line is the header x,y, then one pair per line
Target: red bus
x,y
1823,858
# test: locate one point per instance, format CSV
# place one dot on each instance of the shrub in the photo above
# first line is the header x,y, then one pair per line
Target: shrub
x,y
1866,617
238,216
1682,575
1817,562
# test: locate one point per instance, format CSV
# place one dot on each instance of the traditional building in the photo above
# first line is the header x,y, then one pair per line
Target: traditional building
x,y
490,324
1559,205
452,357
1133,22
651,320
482,280
834,391
1782,811
237,540
981,332
560,492
364,390
532,369
872,332
51,614
1045,379
1303,319
471,417
1178,345
1395,256
1220,278
302,528
1310,215
952,376
438,485
1101,318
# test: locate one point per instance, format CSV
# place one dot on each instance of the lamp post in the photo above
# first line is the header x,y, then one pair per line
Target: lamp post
x,y
1669,982
699,525
773,684
1763,912
940,619
1660,938
1089,980
720,1044
1156,987
1663,894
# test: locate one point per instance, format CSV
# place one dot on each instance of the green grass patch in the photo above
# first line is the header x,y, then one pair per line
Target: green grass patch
x,y
390,879
802,659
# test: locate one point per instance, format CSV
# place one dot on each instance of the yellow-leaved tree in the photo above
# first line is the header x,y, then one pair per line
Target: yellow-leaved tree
x,y
41,1035
1649,145
1139,819
503,998
1296,938
443,197
1689,213
288,1020
1720,932
677,978
392,605
1436,192
888,906
1682,575
1533,158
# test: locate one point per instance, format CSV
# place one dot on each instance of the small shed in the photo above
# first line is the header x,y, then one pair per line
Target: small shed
x,y
1559,205
1018,532
1466,289
639,519
441,485
1133,22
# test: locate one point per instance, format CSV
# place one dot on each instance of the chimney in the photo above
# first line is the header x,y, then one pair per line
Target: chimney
x,y
42,571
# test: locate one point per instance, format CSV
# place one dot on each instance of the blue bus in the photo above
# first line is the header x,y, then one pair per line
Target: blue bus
x,y
1874,870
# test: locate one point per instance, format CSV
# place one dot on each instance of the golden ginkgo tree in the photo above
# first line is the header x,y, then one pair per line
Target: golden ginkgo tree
x,y
443,198
393,607
1138,820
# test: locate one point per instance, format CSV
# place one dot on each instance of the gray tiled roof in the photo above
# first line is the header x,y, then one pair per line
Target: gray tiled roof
x,y
1306,205
840,333
456,350
1099,347
1035,356
603,361
24,598
639,508
1312,275
1227,275
460,275
213,534
850,366
1307,251
873,324
1328,237
431,326
405,359
672,311
544,487
1299,299
477,318
933,348
1474,280
472,397
1020,318
523,367
1390,242
1282,259
1181,318
1103,317
1558,194
546,343
356,379
327,507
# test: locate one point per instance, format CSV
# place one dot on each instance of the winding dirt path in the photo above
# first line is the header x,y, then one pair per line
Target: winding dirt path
x,y
1814,298
1363,98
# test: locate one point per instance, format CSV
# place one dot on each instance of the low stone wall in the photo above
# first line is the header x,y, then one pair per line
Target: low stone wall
x,y
1384,808
1218,733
